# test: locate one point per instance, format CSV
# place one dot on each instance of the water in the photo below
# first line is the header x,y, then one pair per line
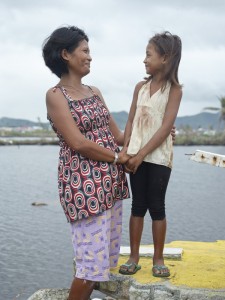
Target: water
x,y
35,245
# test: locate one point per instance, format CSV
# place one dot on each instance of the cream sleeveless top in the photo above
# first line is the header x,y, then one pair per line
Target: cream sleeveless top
x,y
147,120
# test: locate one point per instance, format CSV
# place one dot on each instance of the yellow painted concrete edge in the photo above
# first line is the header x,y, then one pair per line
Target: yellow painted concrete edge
x,y
202,266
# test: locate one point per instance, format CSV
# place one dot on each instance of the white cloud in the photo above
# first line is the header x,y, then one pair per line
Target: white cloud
x,y
118,32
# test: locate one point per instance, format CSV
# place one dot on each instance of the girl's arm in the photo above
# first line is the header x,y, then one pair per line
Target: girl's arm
x,y
128,127
117,133
58,110
163,132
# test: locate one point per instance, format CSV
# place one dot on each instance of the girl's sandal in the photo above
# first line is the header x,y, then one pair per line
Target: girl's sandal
x,y
129,269
160,271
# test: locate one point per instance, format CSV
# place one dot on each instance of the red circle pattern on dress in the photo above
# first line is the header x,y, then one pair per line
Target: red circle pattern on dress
x,y
87,187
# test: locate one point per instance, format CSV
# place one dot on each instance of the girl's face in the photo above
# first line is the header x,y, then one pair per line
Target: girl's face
x,y
79,60
154,62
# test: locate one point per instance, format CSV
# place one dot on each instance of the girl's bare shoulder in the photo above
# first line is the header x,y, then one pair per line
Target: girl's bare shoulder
x,y
176,89
140,84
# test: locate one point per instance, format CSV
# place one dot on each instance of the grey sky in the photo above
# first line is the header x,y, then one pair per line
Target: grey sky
x,y
118,31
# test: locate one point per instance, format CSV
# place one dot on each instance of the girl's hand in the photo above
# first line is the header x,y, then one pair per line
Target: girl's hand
x,y
126,169
133,163
173,133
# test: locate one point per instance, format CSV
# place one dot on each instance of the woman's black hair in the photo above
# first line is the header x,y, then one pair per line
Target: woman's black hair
x,y
62,38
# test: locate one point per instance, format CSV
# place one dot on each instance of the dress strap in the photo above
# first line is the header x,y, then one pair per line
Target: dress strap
x,y
67,96
63,90
94,94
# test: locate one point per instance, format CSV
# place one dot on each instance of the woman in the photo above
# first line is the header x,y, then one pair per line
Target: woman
x,y
91,178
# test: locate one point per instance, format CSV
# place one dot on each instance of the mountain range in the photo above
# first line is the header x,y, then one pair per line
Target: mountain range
x,y
203,120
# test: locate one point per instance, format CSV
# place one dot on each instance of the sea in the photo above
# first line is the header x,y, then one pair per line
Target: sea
x,y
35,241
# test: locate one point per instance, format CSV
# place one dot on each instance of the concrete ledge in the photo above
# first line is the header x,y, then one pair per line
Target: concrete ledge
x,y
123,287
147,251
200,275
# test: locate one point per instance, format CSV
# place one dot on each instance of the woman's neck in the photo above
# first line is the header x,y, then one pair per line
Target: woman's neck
x,y
67,80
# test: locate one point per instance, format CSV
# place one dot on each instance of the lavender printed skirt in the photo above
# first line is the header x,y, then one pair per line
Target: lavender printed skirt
x,y
96,242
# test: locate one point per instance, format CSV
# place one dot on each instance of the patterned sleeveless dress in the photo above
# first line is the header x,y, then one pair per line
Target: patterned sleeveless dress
x,y
88,187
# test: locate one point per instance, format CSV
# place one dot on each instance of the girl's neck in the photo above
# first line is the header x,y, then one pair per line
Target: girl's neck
x,y
157,78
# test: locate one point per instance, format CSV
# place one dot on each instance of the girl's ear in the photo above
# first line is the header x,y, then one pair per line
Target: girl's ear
x,y
165,59
65,54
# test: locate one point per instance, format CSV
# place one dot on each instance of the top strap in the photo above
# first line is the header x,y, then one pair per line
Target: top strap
x,y
67,96
63,90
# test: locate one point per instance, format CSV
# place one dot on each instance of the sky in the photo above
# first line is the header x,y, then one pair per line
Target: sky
x,y
118,32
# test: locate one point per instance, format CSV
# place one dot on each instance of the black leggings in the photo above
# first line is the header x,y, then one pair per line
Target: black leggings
x,y
148,186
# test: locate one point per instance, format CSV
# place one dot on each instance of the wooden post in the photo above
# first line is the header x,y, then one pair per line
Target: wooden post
x,y
213,159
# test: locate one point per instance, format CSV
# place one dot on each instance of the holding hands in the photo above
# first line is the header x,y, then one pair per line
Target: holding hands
x,y
133,163
123,156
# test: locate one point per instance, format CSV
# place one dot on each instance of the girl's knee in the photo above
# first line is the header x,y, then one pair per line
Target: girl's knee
x,y
157,215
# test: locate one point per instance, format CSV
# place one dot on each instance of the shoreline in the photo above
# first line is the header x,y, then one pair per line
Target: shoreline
x,y
51,139
53,142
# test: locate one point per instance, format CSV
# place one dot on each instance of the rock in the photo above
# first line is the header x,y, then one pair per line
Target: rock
x,y
50,294
38,204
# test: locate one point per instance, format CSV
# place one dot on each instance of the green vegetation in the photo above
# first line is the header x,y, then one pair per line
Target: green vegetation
x,y
220,109
187,136
41,133
200,139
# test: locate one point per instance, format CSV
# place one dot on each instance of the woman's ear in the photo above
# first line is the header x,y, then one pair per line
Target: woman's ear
x,y
65,54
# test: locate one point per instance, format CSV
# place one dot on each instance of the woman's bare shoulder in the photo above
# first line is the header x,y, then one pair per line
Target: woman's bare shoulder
x,y
95,89
53,94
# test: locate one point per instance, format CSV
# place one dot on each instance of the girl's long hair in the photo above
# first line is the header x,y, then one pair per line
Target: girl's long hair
x,y
169,45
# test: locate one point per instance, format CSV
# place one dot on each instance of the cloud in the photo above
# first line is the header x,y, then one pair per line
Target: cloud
x,y
118,32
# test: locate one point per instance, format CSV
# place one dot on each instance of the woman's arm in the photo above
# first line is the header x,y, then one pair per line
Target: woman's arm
x,y
58,110
117,133
163,132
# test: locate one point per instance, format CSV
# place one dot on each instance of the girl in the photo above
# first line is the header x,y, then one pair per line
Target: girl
x,y
152,114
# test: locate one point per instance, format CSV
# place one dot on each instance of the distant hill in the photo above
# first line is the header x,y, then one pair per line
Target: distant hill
x,y
120,118
204,120
10,122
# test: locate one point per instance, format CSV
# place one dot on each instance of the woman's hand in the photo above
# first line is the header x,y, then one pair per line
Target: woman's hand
x,y
123,156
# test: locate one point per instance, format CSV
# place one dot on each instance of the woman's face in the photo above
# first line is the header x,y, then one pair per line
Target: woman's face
x,y
79,60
